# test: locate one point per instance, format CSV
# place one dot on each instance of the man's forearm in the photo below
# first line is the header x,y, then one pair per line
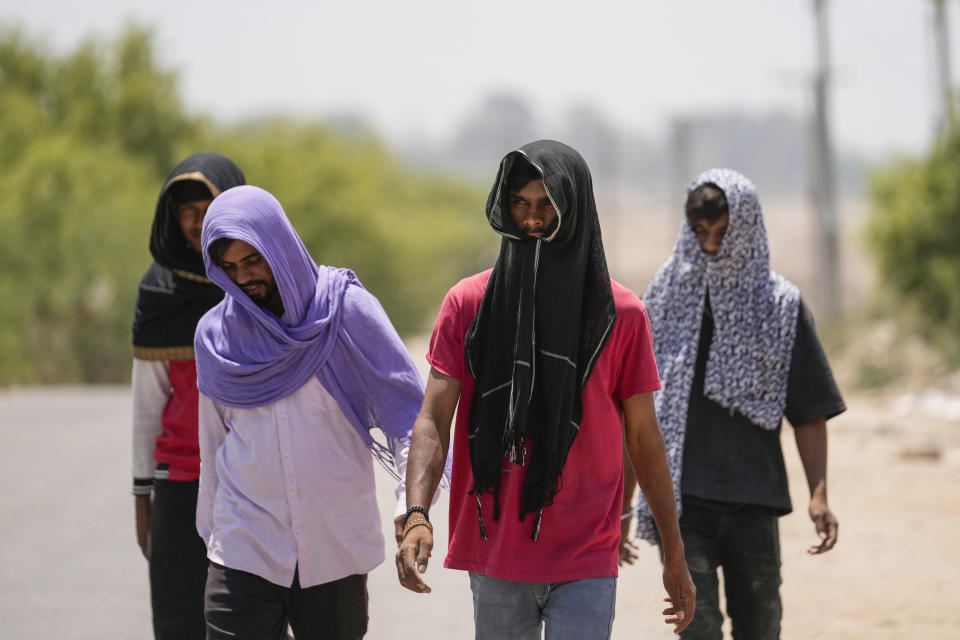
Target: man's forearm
x,y
428,452
629,480
649,458
812,446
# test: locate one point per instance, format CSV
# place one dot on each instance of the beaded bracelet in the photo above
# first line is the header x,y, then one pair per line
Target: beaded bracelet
x,y
413,510
416,522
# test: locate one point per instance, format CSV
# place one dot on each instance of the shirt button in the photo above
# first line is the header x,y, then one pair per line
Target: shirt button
x,y
286,454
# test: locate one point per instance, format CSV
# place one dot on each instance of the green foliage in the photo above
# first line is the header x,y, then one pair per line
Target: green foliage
x,y
915,235
86,140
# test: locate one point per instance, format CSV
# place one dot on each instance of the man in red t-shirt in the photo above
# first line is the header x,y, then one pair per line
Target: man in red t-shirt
x,y
549,366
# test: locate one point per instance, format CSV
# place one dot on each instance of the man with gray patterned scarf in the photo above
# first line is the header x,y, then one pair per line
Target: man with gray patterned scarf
x,y
737,351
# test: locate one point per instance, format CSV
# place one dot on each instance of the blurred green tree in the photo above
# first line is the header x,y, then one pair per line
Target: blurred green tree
x,y
86,140
914,232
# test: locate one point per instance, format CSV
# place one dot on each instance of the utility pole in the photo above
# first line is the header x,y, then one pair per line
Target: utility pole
x,y
941,36
824,188
681,154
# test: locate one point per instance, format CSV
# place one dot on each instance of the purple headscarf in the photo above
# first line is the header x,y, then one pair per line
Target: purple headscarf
x,y
332,328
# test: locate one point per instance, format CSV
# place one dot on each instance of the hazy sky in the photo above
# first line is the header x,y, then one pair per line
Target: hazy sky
x,y
417,66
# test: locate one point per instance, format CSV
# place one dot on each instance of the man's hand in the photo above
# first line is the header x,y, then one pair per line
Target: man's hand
x,y
812,445
682,595
398,528
825,523
142,508
627,549
412,558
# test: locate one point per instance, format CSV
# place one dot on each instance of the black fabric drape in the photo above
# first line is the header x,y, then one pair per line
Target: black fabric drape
x,y
174,293
545,316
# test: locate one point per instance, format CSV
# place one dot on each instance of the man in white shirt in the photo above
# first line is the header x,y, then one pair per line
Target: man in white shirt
x,y
295,368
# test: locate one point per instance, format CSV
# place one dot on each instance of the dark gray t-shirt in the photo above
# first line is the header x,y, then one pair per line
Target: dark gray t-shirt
x,y
727,458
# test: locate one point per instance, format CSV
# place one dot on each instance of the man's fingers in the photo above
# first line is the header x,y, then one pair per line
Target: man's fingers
x,y
680,615
827,529
833,530
413,580
423,556
626,553
680,611
398,529
399,563
407,572
408,563
674,615
689,605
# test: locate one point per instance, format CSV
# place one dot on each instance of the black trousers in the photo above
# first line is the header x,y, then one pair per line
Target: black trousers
x,y
178,562
744,542
244,606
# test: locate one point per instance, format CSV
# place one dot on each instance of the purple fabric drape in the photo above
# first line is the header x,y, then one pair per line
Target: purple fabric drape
x,y
332,328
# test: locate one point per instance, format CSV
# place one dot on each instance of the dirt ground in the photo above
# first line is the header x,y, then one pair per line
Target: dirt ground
x,y
894,484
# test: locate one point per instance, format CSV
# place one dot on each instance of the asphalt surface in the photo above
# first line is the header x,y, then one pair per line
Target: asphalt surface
x,y
70,567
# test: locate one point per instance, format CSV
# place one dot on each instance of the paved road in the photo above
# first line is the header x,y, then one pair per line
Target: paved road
x,y
70,567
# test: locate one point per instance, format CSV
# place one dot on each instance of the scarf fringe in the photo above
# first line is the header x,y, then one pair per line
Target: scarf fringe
x,y
483,529
536,525
516,451
384,456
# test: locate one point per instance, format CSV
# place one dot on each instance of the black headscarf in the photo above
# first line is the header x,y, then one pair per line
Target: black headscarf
x,y
175,292
545,316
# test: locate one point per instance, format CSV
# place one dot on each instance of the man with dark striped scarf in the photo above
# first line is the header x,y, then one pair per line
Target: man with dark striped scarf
x,y
549,365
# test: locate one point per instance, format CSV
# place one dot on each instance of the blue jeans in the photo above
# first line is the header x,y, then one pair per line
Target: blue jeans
x,y
576,610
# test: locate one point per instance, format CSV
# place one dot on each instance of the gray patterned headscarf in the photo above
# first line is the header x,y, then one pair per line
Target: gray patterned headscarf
x,y
755,321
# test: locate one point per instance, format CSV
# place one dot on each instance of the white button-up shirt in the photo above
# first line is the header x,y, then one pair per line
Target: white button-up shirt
x,y
289,485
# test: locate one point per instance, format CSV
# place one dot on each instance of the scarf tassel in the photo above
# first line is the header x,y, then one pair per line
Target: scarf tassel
x,y
516,452
483,529
536,525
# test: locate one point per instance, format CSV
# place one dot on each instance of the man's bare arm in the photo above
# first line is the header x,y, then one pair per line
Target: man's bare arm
x,y
644,443
812,445
628,547
428,452
142,510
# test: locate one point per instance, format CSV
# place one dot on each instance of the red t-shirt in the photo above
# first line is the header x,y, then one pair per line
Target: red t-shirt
x,y
580,531
178,444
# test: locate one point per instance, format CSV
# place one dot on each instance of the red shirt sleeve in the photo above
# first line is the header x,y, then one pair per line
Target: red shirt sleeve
x,y
446,342
639,367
